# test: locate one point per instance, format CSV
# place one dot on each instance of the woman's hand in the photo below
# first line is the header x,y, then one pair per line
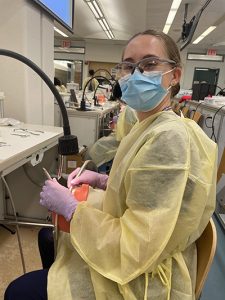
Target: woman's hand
x,y
89,177
58,199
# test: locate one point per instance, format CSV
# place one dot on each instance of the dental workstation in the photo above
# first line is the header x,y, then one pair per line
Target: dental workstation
x,y
112,150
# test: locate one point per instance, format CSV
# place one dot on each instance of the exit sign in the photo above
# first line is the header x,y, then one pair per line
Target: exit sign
x,y
211,52
66,44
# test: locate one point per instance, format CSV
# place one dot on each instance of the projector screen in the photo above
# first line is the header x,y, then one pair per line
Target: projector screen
x,y
61,10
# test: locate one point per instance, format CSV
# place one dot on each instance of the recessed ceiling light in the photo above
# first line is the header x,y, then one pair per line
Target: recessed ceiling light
x,y
60,32
204,34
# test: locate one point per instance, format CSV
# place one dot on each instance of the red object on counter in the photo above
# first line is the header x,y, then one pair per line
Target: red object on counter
x,y
185,98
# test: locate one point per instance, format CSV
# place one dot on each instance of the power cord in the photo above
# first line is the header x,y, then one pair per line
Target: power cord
x,y
206,125
213,136
39,184
195,110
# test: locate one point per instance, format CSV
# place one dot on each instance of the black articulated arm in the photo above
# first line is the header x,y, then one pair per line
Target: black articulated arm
x,y
68,144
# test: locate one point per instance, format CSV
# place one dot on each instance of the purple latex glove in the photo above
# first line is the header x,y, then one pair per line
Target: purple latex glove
x,y
89,177
58,199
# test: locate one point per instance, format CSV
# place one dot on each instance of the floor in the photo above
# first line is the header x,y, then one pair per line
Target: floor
x,y
10,262
11,266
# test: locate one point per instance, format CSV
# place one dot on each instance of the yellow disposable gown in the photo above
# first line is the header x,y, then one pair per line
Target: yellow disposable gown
x,y
127,119
138,241
106,147
94,83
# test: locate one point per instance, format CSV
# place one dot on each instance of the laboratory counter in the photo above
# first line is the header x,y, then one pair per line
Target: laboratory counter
x,y
212,121
24,150
23,142
91,124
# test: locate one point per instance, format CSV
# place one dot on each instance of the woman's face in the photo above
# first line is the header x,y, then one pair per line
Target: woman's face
x,y
144,46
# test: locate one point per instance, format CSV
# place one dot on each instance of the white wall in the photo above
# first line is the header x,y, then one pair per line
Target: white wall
x,y
108,52
95,50
99,51
24,29
190,65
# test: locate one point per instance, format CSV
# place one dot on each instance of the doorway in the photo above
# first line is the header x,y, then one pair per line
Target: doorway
x,y
206,75
204,83
69,71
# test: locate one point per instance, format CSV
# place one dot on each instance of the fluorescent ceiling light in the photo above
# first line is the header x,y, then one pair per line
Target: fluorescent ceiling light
x,y
106,24
63,62
99,15
195,56
61,65
172,13
60,32
92,8
166,28
112,35
98,8
171,17
102,24
108,34
204,34
176,4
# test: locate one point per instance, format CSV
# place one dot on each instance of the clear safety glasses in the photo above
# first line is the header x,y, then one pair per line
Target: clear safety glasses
x,y
145,65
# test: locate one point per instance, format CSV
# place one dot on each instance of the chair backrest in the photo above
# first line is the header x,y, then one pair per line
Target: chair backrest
x,y
185,111
196,116
206,248
177,108
221,169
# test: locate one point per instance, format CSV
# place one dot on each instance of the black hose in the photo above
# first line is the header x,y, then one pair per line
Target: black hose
x,y
67,144
47,80
83,104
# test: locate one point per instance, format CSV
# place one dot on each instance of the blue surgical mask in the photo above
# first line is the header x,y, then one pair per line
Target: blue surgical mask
x,y
143,91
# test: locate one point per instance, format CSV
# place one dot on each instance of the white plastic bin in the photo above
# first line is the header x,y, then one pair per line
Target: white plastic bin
x,y
72,86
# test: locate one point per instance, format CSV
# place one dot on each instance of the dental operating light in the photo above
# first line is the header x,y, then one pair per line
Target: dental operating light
x,y
83,102
102,87
106,71
68,143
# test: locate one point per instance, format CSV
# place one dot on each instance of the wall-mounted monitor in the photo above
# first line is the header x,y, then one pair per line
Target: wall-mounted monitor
x,y
61,10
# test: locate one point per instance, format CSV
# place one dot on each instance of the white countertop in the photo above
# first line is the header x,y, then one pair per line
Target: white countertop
x,y
210,106
19,148
95,110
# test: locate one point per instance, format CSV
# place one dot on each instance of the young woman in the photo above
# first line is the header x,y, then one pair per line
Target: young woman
x,y
138,240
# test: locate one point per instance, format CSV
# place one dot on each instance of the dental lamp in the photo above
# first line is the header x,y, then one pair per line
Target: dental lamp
x,y
104,70
68,143
83,102
116,90
112,98
94,97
